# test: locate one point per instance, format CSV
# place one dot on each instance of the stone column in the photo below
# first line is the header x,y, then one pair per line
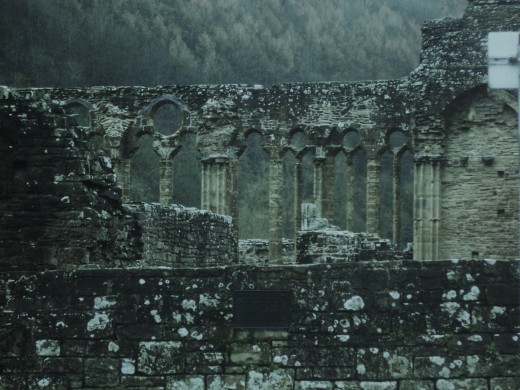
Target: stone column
x,y
166,181
298,190
122,171
373,194
396,201
219,186
275,208
350,194
427,179
121,165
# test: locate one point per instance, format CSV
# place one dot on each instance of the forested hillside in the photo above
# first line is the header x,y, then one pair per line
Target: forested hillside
x,y
152,42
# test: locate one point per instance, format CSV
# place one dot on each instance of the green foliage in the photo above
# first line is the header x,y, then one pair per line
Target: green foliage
x,y
143,42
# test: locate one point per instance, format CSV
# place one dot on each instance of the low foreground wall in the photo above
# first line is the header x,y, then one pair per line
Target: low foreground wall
x,y
378,325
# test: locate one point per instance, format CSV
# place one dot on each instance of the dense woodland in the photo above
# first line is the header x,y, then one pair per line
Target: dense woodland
x,y
161,42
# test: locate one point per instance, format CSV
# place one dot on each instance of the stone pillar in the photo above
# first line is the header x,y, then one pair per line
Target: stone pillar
x,y
373,195
275,208
427,179
122,171
121,165
219,186
166,181
298,191
350,194
396,201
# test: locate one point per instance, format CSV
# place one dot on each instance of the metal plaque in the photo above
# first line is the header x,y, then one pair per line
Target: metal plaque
x,y
262,309
503,68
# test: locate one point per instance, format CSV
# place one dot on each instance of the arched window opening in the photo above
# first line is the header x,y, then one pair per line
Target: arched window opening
x,y
187,173
79,113
288,210
340,190
386,188
307,166
406,165
359,190
351,140
167,119
145,172
299,140
253,186
397,139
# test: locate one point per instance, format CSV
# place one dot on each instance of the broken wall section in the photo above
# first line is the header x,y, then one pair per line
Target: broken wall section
x,y
175,236
61,205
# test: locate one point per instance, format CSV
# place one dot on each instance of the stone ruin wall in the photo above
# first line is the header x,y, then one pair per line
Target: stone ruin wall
x,y
374,326
430,108
136,322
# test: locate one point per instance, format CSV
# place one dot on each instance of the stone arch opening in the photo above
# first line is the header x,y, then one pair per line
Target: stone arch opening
x,y
145,172
306,181
253,188
187,173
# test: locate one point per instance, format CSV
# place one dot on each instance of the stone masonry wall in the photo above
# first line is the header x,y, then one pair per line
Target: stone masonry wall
x,y
61,205
175,236
379,326
339,246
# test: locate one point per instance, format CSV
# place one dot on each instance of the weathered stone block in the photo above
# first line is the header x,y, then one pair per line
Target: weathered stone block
x,y
268,380
185,383
416,385
47,348
102,372
227,382
160,358
254,353
504,383
462,384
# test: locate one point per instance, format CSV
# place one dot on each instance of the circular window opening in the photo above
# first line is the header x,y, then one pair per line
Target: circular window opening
x,y
351,140
167,119
397,139
299,140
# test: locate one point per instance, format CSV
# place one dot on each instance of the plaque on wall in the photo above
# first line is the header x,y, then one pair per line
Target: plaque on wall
x,y
261,309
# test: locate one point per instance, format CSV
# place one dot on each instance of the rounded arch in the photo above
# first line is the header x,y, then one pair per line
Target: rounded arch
x,y
300,153
244,141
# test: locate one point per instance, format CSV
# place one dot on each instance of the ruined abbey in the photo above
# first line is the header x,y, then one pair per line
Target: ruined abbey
x,y
390,259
